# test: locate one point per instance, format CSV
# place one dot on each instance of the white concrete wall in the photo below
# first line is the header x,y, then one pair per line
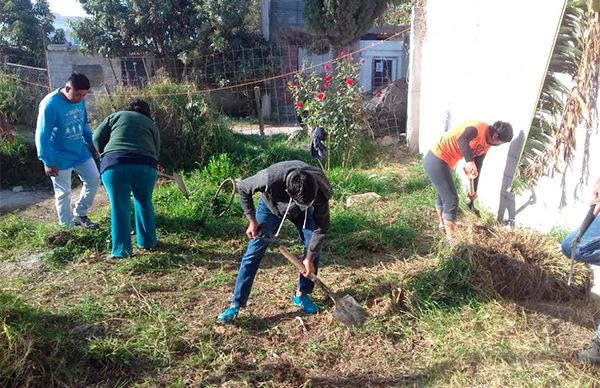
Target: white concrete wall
x,y
486,60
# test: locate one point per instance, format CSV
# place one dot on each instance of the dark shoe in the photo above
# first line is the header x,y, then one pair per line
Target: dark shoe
x,y
303,301
591,353
84,222
229,314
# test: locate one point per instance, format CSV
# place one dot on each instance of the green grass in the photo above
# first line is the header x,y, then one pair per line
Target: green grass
x,y
150,321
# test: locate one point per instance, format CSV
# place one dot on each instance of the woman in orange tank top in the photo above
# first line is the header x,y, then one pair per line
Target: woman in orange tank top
x,y
470,140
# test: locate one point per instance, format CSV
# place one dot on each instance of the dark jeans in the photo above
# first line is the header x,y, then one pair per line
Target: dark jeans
x,y
256,249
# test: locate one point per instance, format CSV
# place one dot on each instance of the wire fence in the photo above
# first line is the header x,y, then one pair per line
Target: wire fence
x,y
228,79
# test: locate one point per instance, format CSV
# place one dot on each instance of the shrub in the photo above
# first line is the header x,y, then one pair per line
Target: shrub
x,y
334,101
191,131
19,164
17,100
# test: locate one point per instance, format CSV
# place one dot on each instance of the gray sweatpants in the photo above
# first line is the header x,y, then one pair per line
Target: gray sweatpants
x,y
439,174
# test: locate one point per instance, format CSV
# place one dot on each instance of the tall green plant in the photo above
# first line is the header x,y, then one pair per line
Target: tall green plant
x,y
19,101
334,101
191,131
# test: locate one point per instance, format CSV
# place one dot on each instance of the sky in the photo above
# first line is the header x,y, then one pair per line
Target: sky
x,y
66,7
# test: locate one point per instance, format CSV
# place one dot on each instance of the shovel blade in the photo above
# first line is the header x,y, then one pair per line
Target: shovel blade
x,y
349,312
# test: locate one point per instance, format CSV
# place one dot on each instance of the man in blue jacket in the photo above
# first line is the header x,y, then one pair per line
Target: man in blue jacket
x,y
60,137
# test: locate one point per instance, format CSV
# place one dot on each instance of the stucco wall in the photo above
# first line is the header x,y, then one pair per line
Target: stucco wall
x,y
486,60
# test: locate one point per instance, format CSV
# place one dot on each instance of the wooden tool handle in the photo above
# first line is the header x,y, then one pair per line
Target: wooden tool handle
x,y
589,218
292,259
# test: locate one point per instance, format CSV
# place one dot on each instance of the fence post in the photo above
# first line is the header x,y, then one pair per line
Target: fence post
x,y
259,111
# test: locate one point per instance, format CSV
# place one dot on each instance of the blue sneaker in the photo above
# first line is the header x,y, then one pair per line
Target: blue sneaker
x,y
307,305
229,314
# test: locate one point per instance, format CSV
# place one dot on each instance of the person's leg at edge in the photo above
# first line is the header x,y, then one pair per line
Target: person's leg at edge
x,y
62,196
143,179
89,175
118,187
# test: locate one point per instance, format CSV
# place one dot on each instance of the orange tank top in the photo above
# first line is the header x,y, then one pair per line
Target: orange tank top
x,y
447,147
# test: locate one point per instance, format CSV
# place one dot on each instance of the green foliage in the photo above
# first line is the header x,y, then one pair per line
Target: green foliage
x,y
59,37
23,27
397,14
19,101
334,101
68,245
446,286
190,130
337,24
177,32
19,164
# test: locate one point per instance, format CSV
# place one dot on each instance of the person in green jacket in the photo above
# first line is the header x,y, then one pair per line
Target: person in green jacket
x,y
129,145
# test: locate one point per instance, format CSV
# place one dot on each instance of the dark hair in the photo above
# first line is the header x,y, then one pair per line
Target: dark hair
x,y
302,185
503,129
140,106
79,81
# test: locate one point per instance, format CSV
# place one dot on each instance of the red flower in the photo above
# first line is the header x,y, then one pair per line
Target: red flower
x,y
327,67
296,86
326,84
320,96
343,53
349,81
328,77
378,94
299,104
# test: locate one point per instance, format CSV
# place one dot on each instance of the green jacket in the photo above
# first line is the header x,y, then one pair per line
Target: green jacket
x,y
127,131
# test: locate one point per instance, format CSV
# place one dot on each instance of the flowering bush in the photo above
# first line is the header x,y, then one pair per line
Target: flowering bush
x,y
333,101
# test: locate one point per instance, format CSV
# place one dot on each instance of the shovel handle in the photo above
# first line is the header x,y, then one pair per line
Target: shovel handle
x,y
291,258
587,221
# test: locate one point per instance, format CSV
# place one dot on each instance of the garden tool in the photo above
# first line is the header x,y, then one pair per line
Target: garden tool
x,y
472,194
175,177
587,221
346,309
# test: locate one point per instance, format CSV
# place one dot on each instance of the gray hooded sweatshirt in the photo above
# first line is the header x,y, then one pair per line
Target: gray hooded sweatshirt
x,y
270,182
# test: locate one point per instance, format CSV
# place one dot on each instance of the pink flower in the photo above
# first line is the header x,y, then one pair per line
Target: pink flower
x,y
327,67
326,84
320,96
328,77
362,61
349,82
299,104
378,94
343,53
296,86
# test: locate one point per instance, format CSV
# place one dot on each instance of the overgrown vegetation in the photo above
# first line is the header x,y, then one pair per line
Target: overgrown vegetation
x,y
69,318
19,164
19,101
334,102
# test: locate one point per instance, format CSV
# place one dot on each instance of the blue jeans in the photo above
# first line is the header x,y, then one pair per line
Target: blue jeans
x,y
256,249
588,249
120,181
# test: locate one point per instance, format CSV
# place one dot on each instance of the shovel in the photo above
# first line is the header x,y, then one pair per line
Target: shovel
x,y
472,194
175,177
587,221
346,309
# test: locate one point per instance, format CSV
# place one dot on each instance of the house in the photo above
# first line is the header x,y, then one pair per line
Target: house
x,y
471,60
384,49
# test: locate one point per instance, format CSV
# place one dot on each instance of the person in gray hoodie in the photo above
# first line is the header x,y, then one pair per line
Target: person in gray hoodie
x,y
290,190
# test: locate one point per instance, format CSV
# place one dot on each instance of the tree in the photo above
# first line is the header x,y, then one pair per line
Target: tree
x,y
335,24
59,37
24,27
166,29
